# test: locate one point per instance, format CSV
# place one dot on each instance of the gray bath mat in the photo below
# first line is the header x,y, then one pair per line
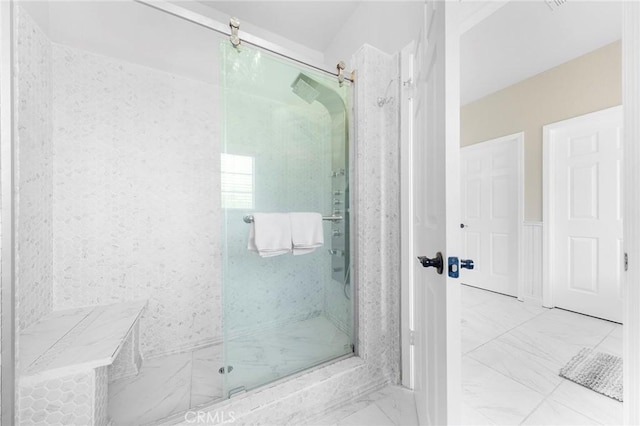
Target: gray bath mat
x,y
597,371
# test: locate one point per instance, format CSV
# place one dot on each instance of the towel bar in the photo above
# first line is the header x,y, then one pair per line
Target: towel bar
x,y
249,218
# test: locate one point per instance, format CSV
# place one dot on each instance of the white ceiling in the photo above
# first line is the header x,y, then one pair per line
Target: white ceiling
x,y
515,41
310,23
524,38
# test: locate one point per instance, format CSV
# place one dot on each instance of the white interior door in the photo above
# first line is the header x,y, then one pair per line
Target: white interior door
x,y
491,212
435,183
585,213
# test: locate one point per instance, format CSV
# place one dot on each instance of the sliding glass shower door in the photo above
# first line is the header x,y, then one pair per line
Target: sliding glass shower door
x,y
284,149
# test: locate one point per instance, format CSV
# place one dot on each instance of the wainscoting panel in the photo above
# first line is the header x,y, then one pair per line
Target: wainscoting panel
x,y
531,262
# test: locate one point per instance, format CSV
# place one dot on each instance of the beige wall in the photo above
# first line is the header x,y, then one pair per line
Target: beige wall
x,y
588,83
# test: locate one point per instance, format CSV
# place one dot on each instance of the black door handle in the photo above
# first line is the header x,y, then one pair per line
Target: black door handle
x,y
436,262
462,225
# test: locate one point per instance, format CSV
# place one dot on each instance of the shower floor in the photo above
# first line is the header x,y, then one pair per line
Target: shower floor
x,y
174,383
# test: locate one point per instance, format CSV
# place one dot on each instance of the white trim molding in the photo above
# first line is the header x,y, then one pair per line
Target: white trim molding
x,y
406,219
631,208
7,291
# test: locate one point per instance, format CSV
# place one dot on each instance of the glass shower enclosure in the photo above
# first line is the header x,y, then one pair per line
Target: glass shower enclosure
x,y
284,149
139,163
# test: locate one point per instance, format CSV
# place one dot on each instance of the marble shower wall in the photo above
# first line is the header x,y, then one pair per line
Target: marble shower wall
x,y
291,149
34,170
136,211
378,192
119,184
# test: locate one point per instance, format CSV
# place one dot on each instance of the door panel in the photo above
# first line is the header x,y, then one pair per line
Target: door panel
x,y
435,107
490,213
586,224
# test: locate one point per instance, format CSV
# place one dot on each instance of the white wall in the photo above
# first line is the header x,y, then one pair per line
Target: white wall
x,y
386,25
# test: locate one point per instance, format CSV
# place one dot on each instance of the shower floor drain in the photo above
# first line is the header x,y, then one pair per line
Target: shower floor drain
x,y
225,370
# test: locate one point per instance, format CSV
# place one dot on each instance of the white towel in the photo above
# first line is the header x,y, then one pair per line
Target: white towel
x,y
306,232
270,234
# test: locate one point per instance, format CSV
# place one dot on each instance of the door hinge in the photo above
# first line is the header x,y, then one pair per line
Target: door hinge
x,y
626,262
412,341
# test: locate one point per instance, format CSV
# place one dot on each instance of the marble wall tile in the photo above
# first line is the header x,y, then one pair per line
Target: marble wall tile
x,y
77,398
34,171
135,183
283,140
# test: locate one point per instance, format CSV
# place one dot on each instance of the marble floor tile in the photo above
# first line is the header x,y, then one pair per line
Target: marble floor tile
x,y
476,329
371,415
486,321
602,409
398,404
471,416
343,412
159,390
558,335
552,413
530,353
498,398
527,368
472,296
612,344
268,356
569,327
174,383
206,381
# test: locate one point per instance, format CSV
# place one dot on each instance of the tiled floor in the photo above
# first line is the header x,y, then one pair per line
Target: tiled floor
x,y
512,353
392,405
176,383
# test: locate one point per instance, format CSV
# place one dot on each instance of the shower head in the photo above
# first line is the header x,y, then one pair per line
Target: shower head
x,y
303,86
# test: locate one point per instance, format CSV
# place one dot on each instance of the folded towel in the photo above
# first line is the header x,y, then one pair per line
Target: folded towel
x,y
306,232
270,234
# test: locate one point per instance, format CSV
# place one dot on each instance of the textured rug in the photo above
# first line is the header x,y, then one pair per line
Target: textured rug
x,y
597,371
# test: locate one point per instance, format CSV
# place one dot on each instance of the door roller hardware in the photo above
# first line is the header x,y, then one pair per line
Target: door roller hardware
x,y
436,262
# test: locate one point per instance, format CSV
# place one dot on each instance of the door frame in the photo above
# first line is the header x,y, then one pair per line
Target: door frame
x,y
631,208
631,233
407,368
488,144
549,157
7,282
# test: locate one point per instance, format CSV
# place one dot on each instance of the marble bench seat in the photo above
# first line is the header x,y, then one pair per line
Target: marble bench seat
x,y
68,358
